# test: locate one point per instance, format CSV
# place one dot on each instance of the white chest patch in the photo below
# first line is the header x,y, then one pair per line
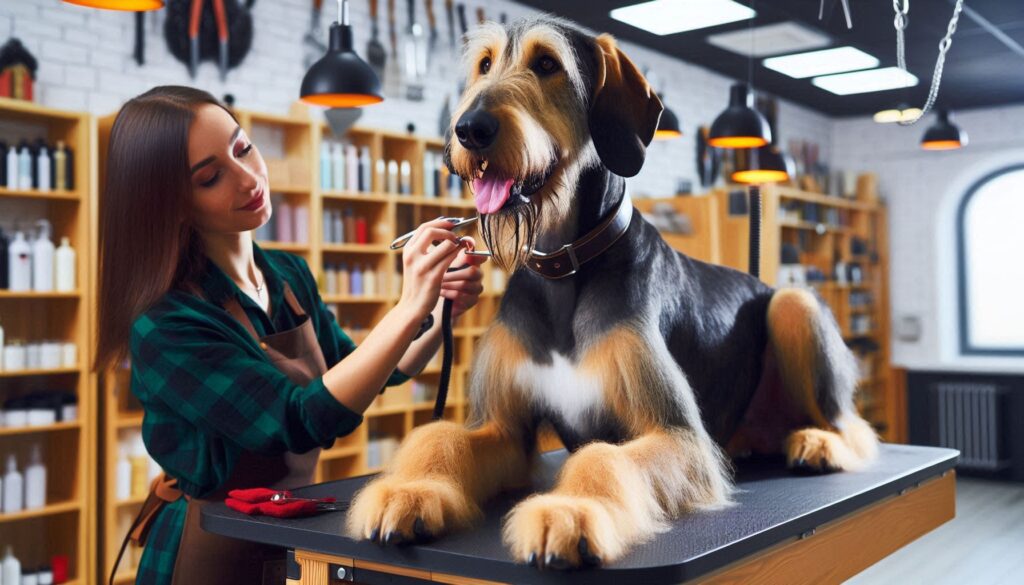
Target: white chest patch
x,y
562,388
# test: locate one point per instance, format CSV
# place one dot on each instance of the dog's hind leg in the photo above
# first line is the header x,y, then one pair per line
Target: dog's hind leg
x,y
443,471
819,376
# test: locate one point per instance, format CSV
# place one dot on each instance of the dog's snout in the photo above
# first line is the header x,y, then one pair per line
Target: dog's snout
x,y
476,129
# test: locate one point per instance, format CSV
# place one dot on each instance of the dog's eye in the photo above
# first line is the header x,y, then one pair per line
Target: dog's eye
x,y
485,65
545,66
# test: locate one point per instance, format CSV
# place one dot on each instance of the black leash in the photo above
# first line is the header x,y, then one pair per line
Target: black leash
x,y
755,230
448,342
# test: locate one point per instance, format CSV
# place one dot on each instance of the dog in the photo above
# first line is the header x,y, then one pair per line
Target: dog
x,y
651,366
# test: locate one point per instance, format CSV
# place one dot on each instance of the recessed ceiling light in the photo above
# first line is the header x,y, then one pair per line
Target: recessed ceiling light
x,y
866,81
780,38
837,60
666,17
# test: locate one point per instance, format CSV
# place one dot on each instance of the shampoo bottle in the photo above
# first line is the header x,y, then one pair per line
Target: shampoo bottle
x,y
337,168
369,281
285,222
344,287
43,164
65,275
351,168
13,487
4,269
428,174
325,166
405,180
302,224
365,168
42,259
60,167
25,166
356,281
19,263
35,480
11,568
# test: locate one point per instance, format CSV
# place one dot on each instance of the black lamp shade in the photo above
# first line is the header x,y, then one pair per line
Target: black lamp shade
x,y
767,164
943,134
127,5
668,126
740,125
340,79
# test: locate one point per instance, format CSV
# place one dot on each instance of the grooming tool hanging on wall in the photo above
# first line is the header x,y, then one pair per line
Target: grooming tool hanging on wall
x,y
219,31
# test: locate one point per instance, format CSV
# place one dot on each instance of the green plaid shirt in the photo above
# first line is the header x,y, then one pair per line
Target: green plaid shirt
x,y
209,392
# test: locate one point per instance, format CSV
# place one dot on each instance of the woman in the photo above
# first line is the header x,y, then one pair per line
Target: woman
x,y
242,371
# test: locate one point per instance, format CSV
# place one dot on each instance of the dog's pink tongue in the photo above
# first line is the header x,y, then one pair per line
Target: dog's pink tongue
x,y
491,193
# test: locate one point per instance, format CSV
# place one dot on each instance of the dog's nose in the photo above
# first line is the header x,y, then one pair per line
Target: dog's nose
x,y
476,129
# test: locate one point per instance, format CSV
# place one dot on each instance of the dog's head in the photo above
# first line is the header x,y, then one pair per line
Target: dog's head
x,y
544,101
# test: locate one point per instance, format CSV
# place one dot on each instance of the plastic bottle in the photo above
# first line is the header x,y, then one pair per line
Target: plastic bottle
x,y
12,168
337,168
42,258
14,487
123,483
356,282
25,166
1,362
344,287
4,269
379,169
338,228
351,168
43,164
393,176
60,167
285,222
365,169
331,279
405,180
325,166
328,227
65,264
35,480
19,263
140,467
301,224
349,224
428,174
369,281
11,568
69,168
361,230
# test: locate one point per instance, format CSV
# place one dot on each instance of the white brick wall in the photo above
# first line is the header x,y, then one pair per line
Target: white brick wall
x,y
86,63
924,189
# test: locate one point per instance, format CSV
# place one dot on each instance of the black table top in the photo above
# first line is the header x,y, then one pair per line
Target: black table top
x,y
773,505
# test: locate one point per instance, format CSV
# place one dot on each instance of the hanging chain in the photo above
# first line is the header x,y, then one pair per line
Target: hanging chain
x,y
900,22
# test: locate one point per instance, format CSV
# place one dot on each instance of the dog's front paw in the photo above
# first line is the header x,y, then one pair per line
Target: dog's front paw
x,y
394,511
821,451
563,532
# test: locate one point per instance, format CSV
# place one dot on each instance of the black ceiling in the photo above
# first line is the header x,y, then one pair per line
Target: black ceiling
x,y
980,70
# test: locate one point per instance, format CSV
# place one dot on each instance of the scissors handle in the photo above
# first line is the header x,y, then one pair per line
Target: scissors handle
x,y
401,241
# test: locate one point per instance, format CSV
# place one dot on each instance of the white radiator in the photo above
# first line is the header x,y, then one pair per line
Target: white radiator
x,y
969,419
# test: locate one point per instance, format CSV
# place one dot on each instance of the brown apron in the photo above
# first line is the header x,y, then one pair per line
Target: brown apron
x,y
205,558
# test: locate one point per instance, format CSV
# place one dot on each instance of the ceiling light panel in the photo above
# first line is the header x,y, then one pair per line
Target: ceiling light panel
x,y
666,17
825,62
773,39
866,81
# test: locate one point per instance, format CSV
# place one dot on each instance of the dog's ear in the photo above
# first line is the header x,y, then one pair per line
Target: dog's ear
x,y
624,110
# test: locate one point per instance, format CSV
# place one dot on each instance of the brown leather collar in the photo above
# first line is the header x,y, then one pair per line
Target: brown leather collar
x,y
568,259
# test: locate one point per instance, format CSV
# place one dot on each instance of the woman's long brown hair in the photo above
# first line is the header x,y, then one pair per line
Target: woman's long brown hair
x,y
147,246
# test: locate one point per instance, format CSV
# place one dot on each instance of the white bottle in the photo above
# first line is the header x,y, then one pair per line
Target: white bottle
x,y
351,168
25,168
406,180
369,281
65,264
35,480
19,265
30,578
123,483
43,169
42,259
11,568
393,176
365,170
337,168
13,487
325,166
1,356
12,168
428,174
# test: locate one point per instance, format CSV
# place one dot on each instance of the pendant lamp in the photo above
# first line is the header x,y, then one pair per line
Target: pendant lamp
x,y
900,113
740,125
668,126
943,134
128,5
767,164
340,79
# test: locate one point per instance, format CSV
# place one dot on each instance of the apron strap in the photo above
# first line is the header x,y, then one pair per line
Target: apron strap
x,y
232,306
162,491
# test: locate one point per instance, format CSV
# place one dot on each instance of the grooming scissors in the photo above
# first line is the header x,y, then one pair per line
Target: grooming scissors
x,y
401,241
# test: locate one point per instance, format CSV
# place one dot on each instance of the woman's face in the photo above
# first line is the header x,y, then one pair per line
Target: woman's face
x,y
229,178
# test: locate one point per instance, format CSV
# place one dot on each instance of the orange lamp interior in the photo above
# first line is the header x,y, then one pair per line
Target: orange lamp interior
x,y
666,134
760,176
129,5
342,100
941,145
737,142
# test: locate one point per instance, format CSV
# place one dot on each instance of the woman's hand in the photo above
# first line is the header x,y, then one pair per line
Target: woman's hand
x,y
464,283
424,265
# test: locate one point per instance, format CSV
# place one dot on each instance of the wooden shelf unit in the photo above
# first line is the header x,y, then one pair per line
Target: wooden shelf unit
x,y
721,238
394,413
66,525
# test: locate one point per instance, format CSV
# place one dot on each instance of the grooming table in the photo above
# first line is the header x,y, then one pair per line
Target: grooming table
x,y
786,528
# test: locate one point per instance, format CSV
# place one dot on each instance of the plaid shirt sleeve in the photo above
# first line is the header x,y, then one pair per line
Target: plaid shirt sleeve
x,y
209,394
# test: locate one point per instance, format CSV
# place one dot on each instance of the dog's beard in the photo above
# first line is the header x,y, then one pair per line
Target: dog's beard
x,y
511,234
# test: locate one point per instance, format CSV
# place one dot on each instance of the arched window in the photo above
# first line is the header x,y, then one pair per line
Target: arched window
x,y
990,234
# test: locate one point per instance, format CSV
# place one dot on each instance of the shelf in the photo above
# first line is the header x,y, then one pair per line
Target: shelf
x,y
813,226
26,430
49,510
284,246
26,373
7,294
356,248
789,193
345,299
37,194
357,196
31,108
